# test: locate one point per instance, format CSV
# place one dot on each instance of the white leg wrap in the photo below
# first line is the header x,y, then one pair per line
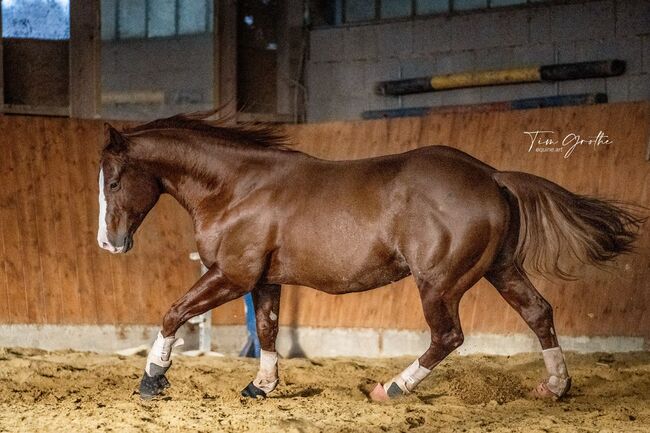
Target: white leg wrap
x,y
408,379
161,352
557,371
267,375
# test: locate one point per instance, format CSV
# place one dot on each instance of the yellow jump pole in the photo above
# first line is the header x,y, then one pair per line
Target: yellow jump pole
x,y
531,74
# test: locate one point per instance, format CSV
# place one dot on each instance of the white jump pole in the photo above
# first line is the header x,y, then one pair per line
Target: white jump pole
x,y
205,324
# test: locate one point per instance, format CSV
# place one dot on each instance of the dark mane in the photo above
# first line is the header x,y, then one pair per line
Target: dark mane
x,y
249,134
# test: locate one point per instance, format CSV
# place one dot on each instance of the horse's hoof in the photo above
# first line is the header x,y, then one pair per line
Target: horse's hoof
x,y
379,393
152,386
542,391
251,391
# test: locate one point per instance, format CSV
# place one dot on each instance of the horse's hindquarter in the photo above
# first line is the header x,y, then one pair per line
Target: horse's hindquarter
x,y
353,226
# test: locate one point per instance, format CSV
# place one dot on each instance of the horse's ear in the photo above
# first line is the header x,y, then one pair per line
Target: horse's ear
x,y
115,141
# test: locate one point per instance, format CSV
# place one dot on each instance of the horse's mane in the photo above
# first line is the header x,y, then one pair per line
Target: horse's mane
x,y
260,135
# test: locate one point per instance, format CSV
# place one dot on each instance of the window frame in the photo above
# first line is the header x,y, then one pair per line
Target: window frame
x,y
207,28
339,8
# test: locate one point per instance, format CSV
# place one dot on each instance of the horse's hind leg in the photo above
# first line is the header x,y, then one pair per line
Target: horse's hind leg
x,y
266,299
441,313
518,291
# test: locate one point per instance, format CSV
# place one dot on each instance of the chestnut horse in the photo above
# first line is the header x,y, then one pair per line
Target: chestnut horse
x,y
266,215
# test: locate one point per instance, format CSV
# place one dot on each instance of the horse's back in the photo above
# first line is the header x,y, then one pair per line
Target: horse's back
x,y
368,221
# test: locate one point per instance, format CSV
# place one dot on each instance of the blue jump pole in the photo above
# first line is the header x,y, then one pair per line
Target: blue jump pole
x,y
252,347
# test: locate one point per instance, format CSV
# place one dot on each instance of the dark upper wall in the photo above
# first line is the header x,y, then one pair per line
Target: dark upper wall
x,y
346,61
35,72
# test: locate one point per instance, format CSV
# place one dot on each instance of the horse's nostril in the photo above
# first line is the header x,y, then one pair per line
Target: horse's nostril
x,y
104,244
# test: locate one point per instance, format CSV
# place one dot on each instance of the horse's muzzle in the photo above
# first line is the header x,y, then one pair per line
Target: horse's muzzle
x,y
124,244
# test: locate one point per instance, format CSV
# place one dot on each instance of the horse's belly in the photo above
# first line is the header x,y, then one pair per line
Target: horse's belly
x,y
342,274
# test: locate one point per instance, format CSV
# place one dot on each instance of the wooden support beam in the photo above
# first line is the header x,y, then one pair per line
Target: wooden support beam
x,y
225,55
291,42
2,78
85,58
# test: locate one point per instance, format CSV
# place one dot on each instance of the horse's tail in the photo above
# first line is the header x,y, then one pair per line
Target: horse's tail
x,y
555,223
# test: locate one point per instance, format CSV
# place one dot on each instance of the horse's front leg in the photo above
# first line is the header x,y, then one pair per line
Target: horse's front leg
x,y
210,291
266,299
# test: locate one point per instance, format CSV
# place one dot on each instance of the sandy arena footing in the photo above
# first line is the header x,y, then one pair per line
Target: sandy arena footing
x,y
74,392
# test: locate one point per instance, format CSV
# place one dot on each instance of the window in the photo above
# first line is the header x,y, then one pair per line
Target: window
x,y
131,19
162,18
464,5
36,19
396,9
156,57
138,19
427,7
358,11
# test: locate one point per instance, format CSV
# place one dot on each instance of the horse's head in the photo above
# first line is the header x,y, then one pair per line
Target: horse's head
x,y
127,192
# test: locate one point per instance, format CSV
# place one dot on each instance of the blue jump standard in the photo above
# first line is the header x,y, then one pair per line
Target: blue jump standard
x,y
252,347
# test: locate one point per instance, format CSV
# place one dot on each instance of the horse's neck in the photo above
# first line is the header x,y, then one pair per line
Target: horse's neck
x,y
192,172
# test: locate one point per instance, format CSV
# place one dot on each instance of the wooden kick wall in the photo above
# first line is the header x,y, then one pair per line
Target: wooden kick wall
x,y
51,270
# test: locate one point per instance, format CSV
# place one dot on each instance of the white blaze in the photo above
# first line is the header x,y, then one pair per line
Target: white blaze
x,y
102,232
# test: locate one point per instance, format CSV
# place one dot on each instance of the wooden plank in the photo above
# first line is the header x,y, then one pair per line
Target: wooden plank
x,y
59,164
22,160
12,287
102,271
82,236
85,58
38,149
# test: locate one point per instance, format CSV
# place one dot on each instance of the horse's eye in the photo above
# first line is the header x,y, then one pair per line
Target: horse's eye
x,y
114,185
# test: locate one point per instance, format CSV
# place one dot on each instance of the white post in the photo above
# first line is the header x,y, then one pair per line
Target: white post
x,y
205,323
